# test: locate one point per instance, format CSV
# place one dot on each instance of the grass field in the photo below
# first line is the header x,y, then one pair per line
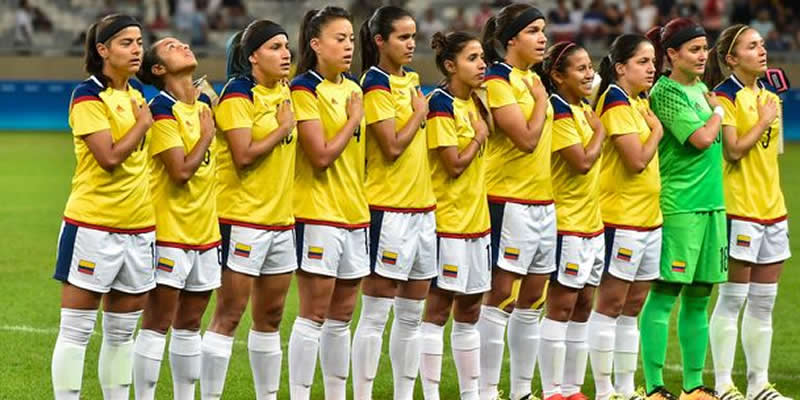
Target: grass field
x,y
35,172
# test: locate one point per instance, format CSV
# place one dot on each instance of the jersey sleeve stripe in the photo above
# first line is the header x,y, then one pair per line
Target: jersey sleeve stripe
x,y
562,115
376,87
85,98
233,95
724,94
307,89
608,106
160,117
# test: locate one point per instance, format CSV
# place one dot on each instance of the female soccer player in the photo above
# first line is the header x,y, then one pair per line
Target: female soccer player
x,y
107,241
694,250
629,191
187,232
400,195
456,138
520,197
330,202
758,238
257,147
577,143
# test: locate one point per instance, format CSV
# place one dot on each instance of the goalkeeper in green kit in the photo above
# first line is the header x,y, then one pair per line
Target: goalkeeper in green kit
x,y
694,244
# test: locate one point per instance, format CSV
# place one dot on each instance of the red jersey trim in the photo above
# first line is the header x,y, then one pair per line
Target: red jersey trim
x,y
582,234
632,228
256,226
403,210
759,221
131,231
198,247
463,235
333,224
503,200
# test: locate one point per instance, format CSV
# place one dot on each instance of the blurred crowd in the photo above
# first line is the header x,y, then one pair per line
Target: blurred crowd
x,y
579,20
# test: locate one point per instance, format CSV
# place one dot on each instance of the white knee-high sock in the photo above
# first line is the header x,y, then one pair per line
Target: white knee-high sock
x,y
465,340
66,368
492,327
115,366
148,351
601,352
430,363
523,347
723,331
405,345
216,354
185,359
626,355
265,353
334,355
576,357
757,333
367,343
303,346
552,354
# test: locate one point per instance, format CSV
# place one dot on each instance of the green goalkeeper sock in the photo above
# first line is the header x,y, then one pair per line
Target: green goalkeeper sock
x,y
693,333
654,328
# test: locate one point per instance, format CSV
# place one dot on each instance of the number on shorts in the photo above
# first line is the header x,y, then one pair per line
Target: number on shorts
x,y
724,259
765,139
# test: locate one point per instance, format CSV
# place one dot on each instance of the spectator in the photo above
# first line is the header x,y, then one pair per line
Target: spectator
x,y
763,24
560,24
712,18
482,16
23,26
199,32
576,16
40,21
740,12
646,16
459,22
594,21
774,42
614,20
430,24
237,17
687,9
666,11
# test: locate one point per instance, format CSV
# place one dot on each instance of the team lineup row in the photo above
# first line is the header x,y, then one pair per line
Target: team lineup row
x,y
504,199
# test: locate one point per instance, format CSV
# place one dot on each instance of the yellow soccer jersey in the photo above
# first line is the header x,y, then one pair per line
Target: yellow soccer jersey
x,y
186,215
752,184
627,199
512,174
259,196
577,195
405,183
118,200
461,206
334,195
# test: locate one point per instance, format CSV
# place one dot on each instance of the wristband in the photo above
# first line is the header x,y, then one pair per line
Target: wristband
x,y
719,111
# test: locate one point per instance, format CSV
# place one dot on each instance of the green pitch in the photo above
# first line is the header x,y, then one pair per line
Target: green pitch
x,y
35,173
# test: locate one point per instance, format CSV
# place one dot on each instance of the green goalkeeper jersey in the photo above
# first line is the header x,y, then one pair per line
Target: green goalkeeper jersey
x,y
691,179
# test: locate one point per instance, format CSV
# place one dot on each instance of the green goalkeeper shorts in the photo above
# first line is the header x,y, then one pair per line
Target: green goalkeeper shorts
x,y
694,248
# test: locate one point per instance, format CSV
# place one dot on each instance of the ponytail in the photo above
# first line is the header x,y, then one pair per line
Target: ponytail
x,y
145,73
380,23
555,60
447,47
310,27
717,63
607,75
654,35
622,49
369,50
235,63
92,62
489,41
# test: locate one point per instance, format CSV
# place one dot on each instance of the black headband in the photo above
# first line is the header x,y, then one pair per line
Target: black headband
x,y
519,23
256,38
119,23
683,36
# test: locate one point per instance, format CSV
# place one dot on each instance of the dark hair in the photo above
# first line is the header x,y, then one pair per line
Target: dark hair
x,y
716,57
622,49
448,46
489,36
555,59
92,62
380,23
310,28
145,73
238,63
662,38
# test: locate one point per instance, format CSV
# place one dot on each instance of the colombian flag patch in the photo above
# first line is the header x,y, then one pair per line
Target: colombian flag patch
x,y
571,269
165,264
450,271
315,253
511,253
743,240
679,266
389,257
86,267
242,250
624,254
